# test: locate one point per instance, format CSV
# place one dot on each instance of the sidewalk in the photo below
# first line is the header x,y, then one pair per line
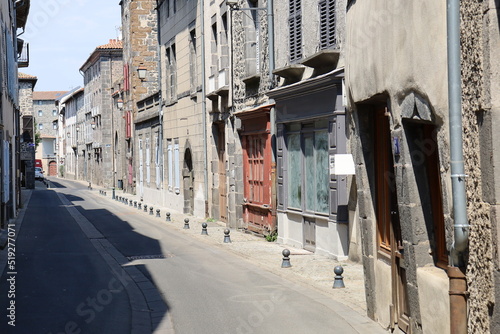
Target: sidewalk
x,y
307,268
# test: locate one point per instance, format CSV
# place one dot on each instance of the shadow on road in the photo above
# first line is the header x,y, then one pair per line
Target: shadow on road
x,y
132,246
63,283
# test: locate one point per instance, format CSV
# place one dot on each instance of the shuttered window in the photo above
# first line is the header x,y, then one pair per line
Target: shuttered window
x,y
327,18
295,26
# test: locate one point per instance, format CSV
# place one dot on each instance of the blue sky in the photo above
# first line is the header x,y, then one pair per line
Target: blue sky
x,y
62,34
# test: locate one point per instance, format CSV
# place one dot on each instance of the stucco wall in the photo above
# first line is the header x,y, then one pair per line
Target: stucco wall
x,y
392,46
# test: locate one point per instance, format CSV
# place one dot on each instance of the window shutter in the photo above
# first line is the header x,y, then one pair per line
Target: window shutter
x,y
327,21
280,168
128,125
295,26
126,79
338,184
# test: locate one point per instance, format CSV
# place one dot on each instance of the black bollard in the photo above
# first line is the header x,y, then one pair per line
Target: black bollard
x,y
227,238
158,213
286,259
135,204
339,280
204,229
145,208
186,223
151,211
167,217
139,206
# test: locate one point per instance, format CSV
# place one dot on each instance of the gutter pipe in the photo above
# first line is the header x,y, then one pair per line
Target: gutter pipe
x,y
461,226
160,101
204,106
272,115
458,283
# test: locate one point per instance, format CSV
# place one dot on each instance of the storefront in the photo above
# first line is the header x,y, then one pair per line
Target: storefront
x,y
311,201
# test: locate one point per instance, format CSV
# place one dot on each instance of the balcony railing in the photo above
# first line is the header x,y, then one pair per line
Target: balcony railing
x,y
23,59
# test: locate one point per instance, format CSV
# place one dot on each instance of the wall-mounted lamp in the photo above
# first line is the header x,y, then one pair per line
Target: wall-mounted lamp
x,y
141,72
77,128
119,104
232,3
93,125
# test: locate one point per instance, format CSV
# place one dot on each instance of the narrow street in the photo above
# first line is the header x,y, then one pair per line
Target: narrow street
x,y
85,264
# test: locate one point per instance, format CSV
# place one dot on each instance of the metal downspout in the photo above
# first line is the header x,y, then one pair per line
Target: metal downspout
x,y
272,114
458,286
160,100
270,32
204,106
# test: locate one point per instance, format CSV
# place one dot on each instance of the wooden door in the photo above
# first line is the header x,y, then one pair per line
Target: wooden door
x,y
52,168
257,182
221,151
388,222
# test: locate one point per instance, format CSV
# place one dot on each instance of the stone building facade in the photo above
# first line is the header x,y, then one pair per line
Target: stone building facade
x,y
312,201
184,115
46,116
480,38
140,54
70,107
27,129
13,17
399,122
238,73
100,71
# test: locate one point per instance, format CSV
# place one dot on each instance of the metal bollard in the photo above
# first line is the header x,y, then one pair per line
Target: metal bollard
x,y
145,208
186,223
126,201
286,259
135,204
204,229
158,213
227,238
130,203
139,206
104,193
167,217
113,193
339,280
151,211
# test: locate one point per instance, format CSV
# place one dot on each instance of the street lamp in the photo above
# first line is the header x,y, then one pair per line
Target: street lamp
x,y
119,104
141,72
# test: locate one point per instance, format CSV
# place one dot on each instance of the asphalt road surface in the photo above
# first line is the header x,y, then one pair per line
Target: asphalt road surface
x,y
67,279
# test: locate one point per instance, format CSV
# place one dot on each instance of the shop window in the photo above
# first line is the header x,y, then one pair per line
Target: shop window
x,y
308,171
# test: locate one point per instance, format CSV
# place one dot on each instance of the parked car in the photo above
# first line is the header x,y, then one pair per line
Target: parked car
x,y
38,173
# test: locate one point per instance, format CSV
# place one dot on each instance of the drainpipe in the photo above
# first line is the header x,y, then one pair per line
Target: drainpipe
x,y
204,106
458,286
160,101
272,114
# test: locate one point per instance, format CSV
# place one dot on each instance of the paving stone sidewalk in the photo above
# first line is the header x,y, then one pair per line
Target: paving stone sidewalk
x,y
307,267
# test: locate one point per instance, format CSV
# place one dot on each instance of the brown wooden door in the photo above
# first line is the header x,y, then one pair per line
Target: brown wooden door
x,y
221,151
388,223
52,168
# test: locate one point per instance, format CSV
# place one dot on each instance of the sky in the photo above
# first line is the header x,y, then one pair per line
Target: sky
x,y
62,34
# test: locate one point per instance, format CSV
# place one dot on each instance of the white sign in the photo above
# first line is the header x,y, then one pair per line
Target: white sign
x,y
342,164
